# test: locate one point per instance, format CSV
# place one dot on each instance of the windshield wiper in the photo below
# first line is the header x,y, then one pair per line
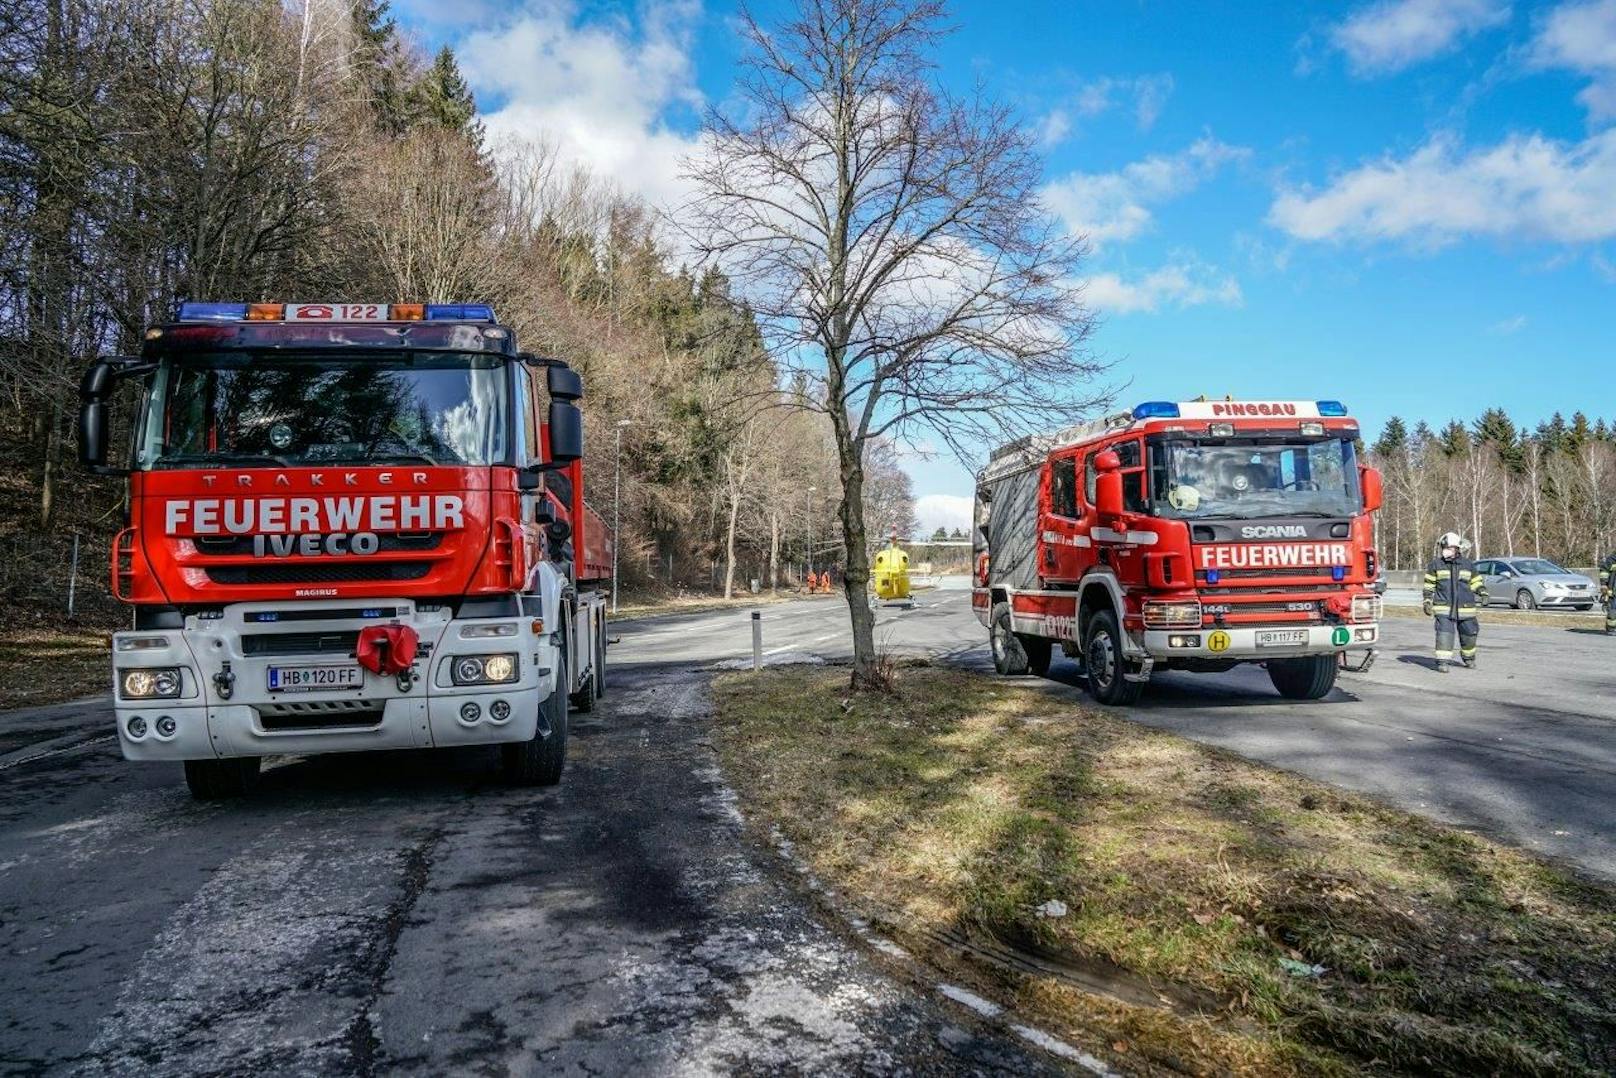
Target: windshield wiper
x,y
381,458
222,458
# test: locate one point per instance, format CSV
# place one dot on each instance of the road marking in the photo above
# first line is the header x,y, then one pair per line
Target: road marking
x,y
54,747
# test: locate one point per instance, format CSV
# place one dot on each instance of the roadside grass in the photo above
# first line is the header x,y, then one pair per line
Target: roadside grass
x,y
1509,616
961,804
47,666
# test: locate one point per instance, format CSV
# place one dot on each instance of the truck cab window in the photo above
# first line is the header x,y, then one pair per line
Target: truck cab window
x,y
1133,475
1063,488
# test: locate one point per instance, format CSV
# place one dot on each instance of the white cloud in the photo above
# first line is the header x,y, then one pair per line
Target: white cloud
x,y
1146,96
943,511
598,89
1582,37
1508,325
1183,282
1394,34
1112,206
1524,188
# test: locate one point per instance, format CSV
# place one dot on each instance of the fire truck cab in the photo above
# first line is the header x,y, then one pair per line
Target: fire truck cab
x,y
352,526
1181,536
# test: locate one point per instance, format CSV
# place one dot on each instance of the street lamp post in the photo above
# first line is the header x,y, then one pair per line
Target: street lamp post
x,y
617,505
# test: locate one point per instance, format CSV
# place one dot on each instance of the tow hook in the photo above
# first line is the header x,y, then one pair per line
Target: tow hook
x,y
406,679
225,683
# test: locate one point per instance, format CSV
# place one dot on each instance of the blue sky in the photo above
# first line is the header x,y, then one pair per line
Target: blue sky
x,y
1409,205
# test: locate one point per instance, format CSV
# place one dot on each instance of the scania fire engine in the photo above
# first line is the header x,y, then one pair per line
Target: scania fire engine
x,y
1181,536
351,526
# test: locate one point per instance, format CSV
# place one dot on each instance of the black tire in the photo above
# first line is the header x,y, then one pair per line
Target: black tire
x,y
1037,650
1103,661
1308,678
1525,600
583,701
218,780
539,761
600,657
1008,656
1583,608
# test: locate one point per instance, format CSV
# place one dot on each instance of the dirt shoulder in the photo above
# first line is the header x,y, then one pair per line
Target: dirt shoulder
x,y
1218,914
696,604
48,666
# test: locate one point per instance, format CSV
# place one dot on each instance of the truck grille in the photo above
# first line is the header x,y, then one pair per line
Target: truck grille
x,y
388,542
320,714
299,643
306,573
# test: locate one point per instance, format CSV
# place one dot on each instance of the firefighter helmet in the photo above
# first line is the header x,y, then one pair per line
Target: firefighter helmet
x,y
1454,540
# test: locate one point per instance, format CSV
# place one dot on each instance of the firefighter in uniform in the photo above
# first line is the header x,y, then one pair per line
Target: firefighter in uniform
x,y
1607,592
1453,593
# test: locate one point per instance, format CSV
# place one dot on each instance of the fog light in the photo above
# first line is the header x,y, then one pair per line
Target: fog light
x,y
499,711
1312,430
166,726
470,712
1221,430
1365,634
136,727
1183,641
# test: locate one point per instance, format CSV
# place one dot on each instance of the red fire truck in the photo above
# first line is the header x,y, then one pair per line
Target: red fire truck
x,y
1181,536
351,526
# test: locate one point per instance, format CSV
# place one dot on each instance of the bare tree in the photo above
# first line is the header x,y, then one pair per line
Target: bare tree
x,y
890,238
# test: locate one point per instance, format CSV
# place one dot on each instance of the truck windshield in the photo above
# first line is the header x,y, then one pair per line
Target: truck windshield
x,y
1254,478
268,408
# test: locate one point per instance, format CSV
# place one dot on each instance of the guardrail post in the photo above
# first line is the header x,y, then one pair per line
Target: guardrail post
x,y
757,640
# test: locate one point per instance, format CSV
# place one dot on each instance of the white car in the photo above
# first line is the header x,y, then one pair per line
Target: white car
x,y
1530,583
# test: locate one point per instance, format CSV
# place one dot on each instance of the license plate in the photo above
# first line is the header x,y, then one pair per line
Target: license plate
x,y
1281,638
314,678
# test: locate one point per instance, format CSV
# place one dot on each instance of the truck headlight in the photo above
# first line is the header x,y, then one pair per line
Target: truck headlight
x,y
1172,614
150,683
483,669
1366,608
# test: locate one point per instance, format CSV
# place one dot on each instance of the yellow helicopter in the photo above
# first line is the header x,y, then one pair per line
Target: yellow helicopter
x,y
891,575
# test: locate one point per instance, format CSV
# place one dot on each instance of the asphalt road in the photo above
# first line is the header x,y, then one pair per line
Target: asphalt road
x,y
405,913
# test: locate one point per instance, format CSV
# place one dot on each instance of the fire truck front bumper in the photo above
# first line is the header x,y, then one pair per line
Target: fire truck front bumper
x,y
1258,643
226,705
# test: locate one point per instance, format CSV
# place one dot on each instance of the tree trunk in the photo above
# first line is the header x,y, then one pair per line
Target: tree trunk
x,y
774,550
856,578
53,466
729,546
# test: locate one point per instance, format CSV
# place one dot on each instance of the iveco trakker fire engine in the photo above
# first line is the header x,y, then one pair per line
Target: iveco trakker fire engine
x,y
351,526
1192,536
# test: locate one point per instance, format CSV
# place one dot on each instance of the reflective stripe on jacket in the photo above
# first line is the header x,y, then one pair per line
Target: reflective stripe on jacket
x,y
1454,587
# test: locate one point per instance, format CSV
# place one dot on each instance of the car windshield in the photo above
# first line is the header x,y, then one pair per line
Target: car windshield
x,y
256,408
1247,478
1537,567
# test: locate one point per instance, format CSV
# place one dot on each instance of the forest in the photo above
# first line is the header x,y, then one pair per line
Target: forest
x,y
1548,491
158,150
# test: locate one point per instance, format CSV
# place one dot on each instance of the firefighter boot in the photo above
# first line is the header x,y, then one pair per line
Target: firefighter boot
x,y
1469,661
1442,666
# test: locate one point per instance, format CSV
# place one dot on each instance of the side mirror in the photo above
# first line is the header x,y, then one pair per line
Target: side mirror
x,y
1374,492
564,384
97,383
566,432
1108,493
1107,461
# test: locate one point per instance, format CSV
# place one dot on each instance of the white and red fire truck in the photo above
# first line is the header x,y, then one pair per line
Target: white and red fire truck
x,y
1181,536
351,527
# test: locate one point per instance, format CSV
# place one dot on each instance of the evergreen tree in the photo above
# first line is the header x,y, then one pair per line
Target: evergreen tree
x,y
379,65
441,98
1393,440
1454,439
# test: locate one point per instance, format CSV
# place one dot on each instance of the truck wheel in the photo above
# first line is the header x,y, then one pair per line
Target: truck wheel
x,y
1102,655
1037,651
583,700
1008,656
600,657
1309,678
538,761
215,780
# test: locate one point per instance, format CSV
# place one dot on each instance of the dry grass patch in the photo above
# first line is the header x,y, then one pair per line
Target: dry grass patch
x,y
45,666
961,803
1562,619
695,604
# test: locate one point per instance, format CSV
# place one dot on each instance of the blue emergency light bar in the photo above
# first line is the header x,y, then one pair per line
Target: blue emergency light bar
x,y
460,312
1156,410
1332,409
212,312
